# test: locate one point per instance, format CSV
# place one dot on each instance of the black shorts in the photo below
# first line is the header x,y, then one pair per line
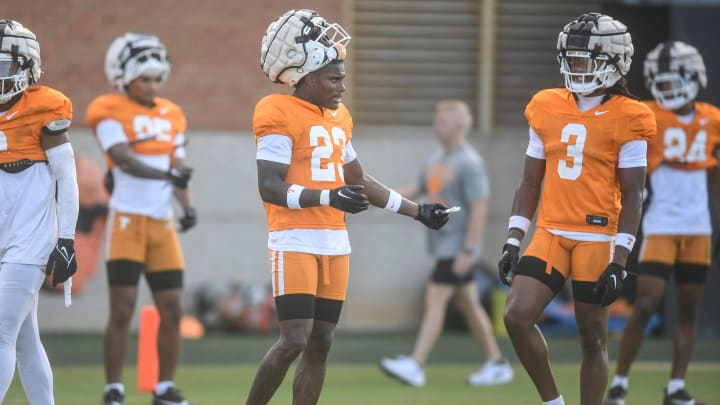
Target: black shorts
x,y
443,273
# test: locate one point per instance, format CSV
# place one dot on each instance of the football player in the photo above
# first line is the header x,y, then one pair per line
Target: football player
x,y
309,177
676,224
38,207
587,153
143,137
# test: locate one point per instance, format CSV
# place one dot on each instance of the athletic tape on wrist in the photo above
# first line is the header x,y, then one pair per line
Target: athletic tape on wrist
x,y
513,241
293,196
625,240
325,197
519,222
394,201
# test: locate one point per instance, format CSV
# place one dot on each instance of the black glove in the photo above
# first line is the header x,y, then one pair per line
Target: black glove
x,y
109,182
188,220
508,261
610,285
62,263
348,198
179,176
432,215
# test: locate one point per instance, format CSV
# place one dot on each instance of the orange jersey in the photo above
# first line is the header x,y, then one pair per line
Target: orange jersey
x,y
149,130
581,189
22,125
318,145
685,146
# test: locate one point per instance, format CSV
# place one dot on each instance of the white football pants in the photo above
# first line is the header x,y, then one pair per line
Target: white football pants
x,y
19,334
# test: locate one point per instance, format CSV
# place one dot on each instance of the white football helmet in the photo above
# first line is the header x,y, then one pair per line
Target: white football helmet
x,y
133,55
594,51
298,43
674,72
19,59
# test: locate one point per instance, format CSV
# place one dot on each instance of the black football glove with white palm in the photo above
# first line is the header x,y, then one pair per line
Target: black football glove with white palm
x,y
188,220
62,263
179,176
349,198
432,215
508,262
610,284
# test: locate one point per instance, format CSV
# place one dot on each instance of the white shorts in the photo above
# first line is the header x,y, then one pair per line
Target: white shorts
x,y
28,215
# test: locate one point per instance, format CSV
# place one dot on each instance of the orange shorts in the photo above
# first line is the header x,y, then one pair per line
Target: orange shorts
x,y
674,249
306,273
142,239
585,261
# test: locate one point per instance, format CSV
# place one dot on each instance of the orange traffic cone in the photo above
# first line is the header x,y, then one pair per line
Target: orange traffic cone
x,y
147,360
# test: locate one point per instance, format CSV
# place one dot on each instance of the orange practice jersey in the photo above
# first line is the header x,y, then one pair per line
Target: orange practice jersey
x,y
581,186
685,146
150,130
319,139
22,125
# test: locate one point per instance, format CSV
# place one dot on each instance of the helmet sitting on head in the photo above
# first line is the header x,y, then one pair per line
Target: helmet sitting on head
x,y
133,55
19,59
298,43
597,44
674,72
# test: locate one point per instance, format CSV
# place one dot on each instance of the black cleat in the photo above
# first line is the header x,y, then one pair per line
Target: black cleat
x,y
113,397
170,397
616,396
680,397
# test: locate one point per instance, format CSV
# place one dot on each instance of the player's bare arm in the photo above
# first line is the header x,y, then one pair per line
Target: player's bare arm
x,y
377,193
527,194
632,183
125,159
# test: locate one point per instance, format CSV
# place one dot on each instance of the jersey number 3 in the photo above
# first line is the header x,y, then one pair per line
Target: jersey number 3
x,y
571,167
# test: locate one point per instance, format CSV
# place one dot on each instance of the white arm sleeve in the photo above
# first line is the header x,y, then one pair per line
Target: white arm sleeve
x,y
275,148
180,146
62,165
110,132
349,155
536,147
633,154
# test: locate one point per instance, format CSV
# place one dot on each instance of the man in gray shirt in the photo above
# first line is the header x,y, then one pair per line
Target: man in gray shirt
x,y
454,176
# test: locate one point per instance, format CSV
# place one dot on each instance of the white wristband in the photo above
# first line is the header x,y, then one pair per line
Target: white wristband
x,y
293,196
325,197
394,201
625,240
513,241
519,222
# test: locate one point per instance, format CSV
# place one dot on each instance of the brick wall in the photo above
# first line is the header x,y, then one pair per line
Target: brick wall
x,y
214,46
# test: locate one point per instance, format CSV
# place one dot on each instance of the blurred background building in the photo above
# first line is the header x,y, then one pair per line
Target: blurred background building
x,y
405,55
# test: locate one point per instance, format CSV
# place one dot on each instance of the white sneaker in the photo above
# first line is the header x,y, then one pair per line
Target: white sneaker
x,y
492,373
405,369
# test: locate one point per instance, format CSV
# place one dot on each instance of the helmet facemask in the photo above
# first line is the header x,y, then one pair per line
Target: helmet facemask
x,y
672,91
13,78
584,72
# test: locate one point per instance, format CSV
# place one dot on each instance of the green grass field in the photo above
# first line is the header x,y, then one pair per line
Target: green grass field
x,y
218,370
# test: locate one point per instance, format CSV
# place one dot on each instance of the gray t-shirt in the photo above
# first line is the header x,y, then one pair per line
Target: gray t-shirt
x,y
455,178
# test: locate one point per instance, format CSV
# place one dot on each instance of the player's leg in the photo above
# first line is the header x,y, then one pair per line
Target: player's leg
x,y
164,266
19,286
657,258
331,291
125,262
32,361
533,287
295,277
690,275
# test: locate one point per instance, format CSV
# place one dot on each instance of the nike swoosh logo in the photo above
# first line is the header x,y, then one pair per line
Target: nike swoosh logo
x,y
704,121
614,281
340,193
334,113
9,116
601,112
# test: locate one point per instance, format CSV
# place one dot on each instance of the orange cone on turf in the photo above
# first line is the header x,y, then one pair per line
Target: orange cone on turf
x,y
147,360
